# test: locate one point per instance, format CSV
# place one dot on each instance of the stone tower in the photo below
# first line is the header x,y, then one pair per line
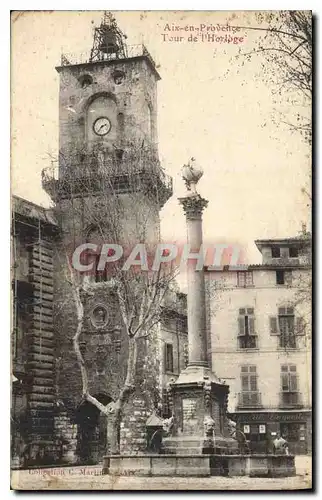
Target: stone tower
x,y
107,154
108,124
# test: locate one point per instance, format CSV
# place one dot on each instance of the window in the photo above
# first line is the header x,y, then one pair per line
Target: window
x,y
293,252
289,386
276,252
168,357
291,431
280,278
118,77
247,338
248,378
249,395
286,323
287,327
85,81
283,277
244,278
121,128
289,378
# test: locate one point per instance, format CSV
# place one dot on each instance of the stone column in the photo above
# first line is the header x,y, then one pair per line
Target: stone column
x,y
199,398
197,339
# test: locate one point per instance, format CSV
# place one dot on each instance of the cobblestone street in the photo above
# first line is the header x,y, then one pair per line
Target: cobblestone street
x,y
87,478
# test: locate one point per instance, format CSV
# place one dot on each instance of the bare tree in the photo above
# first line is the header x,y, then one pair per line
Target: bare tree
x,y
102,198
285,49
303,293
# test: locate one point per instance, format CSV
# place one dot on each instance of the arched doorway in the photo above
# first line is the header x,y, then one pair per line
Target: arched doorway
x,y
92,431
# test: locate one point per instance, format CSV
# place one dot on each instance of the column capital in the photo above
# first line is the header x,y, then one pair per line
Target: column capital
x,y
193,206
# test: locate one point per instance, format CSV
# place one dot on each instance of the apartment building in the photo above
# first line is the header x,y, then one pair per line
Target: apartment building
x,y
259,324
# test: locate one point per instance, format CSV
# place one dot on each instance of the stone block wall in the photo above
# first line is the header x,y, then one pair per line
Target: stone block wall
x,y
65,438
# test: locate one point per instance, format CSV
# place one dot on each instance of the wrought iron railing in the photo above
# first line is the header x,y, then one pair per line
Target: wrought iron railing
x,y
58,181
247,341
249,399
75,172
290,399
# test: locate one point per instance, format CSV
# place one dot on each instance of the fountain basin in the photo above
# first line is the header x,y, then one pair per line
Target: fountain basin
x,y
255,465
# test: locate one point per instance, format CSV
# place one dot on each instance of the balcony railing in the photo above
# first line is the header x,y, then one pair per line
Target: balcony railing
x,y
116,175
69,59
290,400
250,399
247,341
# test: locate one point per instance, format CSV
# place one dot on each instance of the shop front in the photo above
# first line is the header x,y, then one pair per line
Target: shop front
x,y
261,428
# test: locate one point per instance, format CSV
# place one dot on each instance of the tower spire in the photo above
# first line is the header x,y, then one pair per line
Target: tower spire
x,y
109,40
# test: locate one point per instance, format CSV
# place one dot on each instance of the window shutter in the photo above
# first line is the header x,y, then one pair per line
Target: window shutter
x,y
249,278
288,277
293,382
300,326
251,325
241,278
284,381
290,325
253,383
241,325
273,325
164,358
245,383
169,357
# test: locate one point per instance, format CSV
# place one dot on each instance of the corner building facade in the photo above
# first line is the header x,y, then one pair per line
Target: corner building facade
x,y
259,322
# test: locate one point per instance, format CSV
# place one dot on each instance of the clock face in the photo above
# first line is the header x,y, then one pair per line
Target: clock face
x,y
102,126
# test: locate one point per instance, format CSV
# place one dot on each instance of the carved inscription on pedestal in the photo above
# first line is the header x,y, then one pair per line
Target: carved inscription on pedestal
x,y
189,415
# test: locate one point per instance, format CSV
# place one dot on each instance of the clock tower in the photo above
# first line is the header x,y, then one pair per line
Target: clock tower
x,y
108,124
108,157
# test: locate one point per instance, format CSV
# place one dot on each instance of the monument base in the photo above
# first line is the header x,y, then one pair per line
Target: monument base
x,y
200,465
196,445
199,408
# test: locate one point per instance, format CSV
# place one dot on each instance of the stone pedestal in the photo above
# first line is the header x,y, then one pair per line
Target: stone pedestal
x,y
199,407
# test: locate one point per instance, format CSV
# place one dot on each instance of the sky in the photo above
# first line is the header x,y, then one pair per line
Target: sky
x,y
210,106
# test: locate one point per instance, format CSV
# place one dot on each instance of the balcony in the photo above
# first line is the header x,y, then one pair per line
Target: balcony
x,y
247,342
117,174
250,399
290,400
